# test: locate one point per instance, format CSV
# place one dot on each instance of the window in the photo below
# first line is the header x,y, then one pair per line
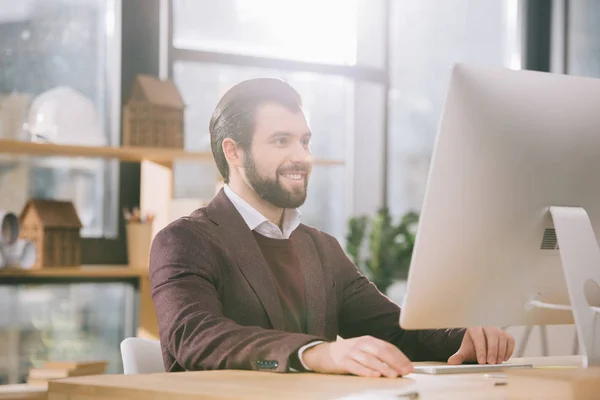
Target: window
x,y
583,40
59,74
326,50
427,37
63,321
318,31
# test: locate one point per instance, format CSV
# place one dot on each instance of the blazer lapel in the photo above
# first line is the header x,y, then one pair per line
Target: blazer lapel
x,y
246,254
314,283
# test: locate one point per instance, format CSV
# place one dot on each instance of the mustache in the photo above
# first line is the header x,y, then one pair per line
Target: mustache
x,y
298,169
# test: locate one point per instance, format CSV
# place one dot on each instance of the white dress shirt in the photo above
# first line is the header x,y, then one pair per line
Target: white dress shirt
x,y
259,223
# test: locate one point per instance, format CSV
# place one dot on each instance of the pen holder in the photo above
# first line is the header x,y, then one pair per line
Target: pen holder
x,y
139,239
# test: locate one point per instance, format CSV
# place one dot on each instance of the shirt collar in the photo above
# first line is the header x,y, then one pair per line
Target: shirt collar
x,y
258,222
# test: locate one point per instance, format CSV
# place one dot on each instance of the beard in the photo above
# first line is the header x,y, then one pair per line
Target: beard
x,y
271,190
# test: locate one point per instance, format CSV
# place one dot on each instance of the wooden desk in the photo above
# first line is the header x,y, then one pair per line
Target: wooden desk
x,y
22,392
219,385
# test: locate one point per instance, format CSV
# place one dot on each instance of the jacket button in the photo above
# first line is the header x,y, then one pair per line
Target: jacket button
x,y
267,364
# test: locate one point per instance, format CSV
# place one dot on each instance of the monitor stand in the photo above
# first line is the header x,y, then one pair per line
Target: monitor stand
x,y
580,256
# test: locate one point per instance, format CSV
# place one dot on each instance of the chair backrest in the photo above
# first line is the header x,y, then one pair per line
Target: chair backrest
x,y
141,356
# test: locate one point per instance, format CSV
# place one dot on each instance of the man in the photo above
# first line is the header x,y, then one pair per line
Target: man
x,y
242,284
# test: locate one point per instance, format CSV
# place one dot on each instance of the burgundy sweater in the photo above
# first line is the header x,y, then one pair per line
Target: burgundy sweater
x,y
284,264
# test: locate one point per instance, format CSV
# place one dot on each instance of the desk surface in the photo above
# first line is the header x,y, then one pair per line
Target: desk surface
x,y
219,385
22,392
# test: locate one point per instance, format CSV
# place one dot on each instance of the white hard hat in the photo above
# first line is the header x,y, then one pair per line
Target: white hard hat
x,y
64,116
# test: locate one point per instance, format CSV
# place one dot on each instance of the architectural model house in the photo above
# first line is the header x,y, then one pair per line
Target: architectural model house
x,y
153,115
54,227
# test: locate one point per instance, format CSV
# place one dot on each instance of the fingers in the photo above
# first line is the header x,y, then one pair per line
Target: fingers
x,y
502,346
388,354
378,357
491,335
490,345
356,368
457,358
480,344
373,363
510,347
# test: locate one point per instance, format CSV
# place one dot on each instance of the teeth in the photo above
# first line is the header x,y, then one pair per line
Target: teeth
x,y
293,176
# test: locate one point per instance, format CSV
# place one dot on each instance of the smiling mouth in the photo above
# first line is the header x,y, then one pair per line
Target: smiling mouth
x,y
294,176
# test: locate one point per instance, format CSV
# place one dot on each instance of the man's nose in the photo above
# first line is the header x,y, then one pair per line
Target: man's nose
x,y
300,153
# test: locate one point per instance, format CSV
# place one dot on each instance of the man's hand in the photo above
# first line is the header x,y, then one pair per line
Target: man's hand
x,y
484,345
364,356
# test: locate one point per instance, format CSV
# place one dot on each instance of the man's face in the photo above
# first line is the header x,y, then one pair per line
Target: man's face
x,y
279,161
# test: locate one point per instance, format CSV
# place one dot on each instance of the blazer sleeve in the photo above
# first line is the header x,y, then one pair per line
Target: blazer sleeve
x,y
365,311
184,276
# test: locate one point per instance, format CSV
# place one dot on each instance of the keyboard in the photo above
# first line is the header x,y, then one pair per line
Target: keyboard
x,y
465,368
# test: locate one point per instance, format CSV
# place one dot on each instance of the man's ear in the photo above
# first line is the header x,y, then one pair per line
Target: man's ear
x,y
233,153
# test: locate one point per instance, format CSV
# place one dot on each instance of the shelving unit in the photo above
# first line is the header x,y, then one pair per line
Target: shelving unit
x,y
156,194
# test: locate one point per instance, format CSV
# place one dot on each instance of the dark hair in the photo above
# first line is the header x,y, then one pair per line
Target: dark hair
x,y
234,114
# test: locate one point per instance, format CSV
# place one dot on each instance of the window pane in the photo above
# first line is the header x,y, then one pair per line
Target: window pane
x,y
345,32
48,322
328,105
325,206
472,31
584,38
55,86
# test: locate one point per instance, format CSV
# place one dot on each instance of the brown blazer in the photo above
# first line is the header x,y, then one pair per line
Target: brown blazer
x,y
217,306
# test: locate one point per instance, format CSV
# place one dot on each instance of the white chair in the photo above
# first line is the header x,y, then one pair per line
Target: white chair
x,y
141,356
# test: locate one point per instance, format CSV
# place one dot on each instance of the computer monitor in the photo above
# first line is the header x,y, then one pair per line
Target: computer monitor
x,y
514,175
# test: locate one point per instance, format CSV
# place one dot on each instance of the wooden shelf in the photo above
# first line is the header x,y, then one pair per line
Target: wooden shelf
x,y
318,161
129,154
148,325
92,271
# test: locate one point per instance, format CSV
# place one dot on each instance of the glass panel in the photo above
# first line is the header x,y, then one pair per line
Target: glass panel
x,y
81,180
345,32
62,322
328,105
325,206
472,31
367,166
584,38
56,66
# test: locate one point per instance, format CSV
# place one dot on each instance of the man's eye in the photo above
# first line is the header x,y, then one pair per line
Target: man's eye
x,y
280,141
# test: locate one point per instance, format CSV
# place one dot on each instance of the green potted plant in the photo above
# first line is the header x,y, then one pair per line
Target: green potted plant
x,y
390,246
